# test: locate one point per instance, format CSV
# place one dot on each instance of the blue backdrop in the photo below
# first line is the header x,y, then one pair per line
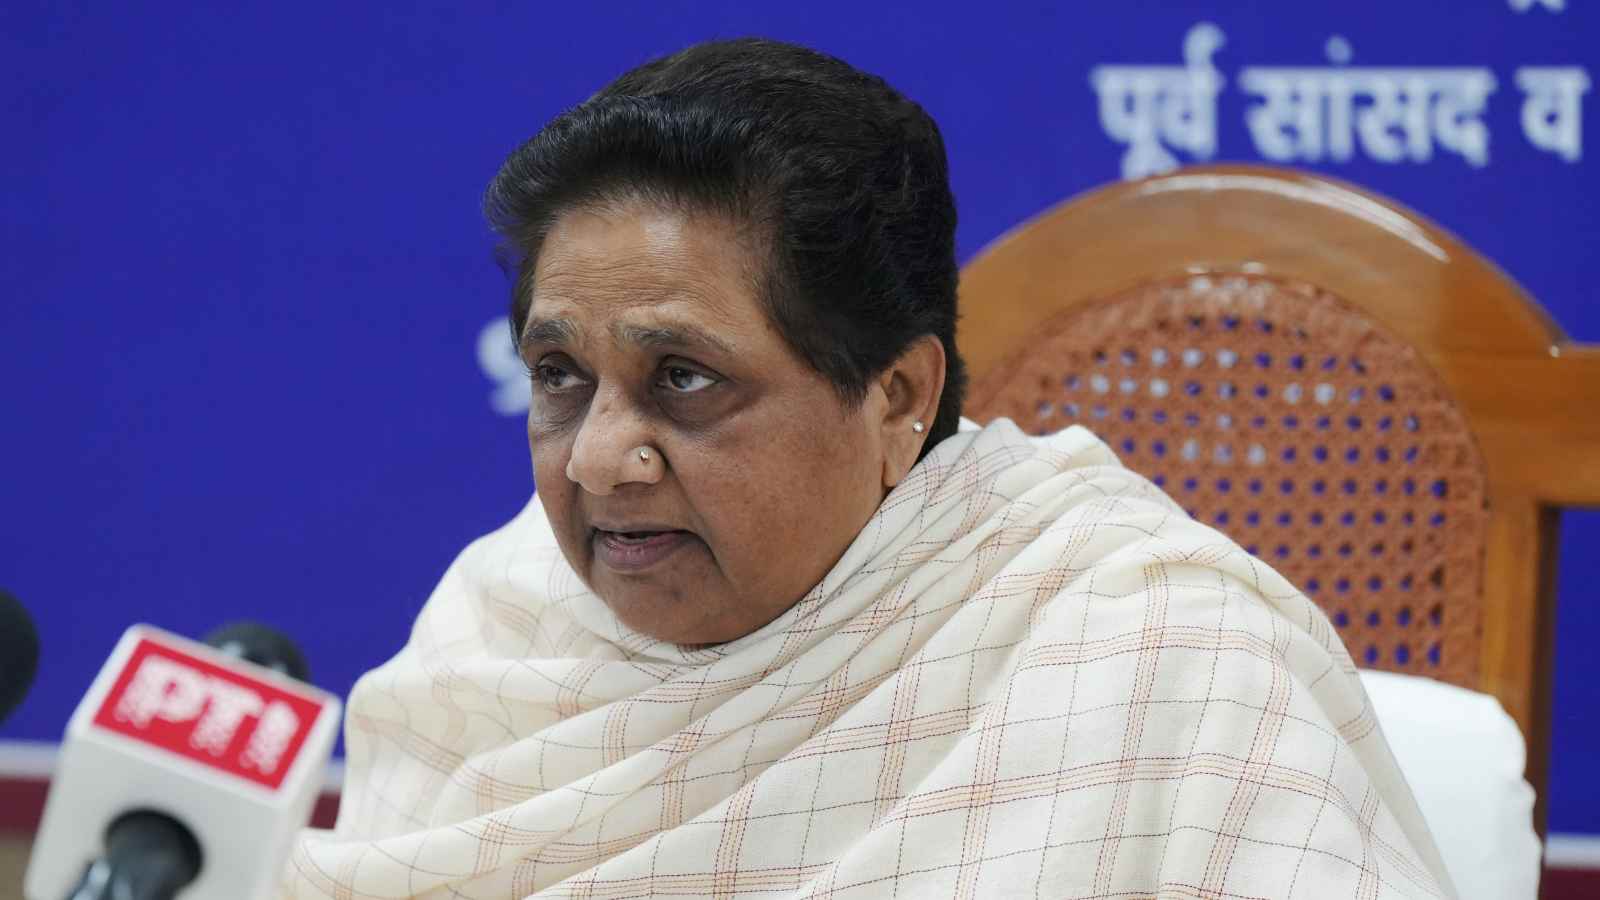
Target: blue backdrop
x,y
245,277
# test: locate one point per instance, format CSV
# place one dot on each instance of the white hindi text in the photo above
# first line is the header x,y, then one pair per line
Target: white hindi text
x,y
1150,108
1329,113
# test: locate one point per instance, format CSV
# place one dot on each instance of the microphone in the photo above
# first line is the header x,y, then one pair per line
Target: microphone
x,y
19,653
185,768
262,646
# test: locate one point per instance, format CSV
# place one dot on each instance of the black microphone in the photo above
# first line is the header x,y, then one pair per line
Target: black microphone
x,y
19,653
253,642
185,769
148,855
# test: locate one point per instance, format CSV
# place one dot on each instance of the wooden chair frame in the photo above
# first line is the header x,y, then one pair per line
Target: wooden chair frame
x,y
1530,396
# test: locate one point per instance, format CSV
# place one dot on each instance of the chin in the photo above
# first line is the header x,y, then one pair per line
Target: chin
x,y
701,632
658,612
684,635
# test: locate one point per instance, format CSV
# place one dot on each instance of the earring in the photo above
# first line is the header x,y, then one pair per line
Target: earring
x,y
917,426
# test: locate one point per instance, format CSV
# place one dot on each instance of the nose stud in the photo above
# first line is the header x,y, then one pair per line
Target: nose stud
x,y
601,482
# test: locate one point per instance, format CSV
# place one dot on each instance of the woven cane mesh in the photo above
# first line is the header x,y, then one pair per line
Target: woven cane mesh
x,y
1288,420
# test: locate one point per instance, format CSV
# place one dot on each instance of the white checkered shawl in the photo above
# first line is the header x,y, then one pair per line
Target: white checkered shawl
x,y
1030,675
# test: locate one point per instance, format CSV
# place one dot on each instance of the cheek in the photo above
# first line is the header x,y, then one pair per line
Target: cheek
x,y
549,463
550,480
796,491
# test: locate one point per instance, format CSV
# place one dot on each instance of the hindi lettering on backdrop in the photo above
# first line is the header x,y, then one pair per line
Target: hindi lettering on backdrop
x,y
1395,115
1311,114
1151,108
500,363
1552,108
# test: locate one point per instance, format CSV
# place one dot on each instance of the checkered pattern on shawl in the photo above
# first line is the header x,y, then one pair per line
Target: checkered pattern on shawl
x,y
1030,675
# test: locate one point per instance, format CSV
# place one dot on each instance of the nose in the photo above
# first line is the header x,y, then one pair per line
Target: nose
x,y
605,453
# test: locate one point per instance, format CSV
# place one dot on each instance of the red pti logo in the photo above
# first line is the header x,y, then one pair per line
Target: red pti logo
x,y
225,719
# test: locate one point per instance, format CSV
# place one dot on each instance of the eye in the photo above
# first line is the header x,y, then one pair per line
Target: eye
x,y
555,378
685,381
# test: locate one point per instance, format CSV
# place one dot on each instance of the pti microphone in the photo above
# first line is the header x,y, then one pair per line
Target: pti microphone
x,y
186,771
19,653
262,646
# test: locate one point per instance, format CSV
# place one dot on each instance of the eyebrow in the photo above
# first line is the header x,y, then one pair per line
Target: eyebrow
x,y
671,336
548,331
564,331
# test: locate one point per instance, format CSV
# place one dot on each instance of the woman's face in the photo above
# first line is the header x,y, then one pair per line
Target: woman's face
x,y
646,332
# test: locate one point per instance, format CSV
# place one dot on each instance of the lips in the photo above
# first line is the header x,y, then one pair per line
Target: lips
x,y
632,548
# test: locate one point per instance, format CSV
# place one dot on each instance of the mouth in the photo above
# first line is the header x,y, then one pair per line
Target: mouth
x,y
635,548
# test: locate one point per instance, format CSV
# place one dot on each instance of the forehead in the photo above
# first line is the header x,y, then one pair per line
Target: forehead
x,y
640,266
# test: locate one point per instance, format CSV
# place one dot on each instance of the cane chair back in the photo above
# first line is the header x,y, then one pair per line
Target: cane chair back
x,y
1336,383
1289,420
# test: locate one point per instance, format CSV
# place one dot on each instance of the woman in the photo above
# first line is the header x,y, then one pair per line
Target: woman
x,y
773,626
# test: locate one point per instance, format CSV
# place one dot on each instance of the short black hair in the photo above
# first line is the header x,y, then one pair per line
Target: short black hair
x,y
840,179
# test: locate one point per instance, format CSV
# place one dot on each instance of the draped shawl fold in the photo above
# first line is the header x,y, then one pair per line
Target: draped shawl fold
x,y
1030,675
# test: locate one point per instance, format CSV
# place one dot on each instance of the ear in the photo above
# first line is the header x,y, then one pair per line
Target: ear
x,y
911,388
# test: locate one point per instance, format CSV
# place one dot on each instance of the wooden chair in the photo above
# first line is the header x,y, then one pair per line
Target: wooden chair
x,y
1332,380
